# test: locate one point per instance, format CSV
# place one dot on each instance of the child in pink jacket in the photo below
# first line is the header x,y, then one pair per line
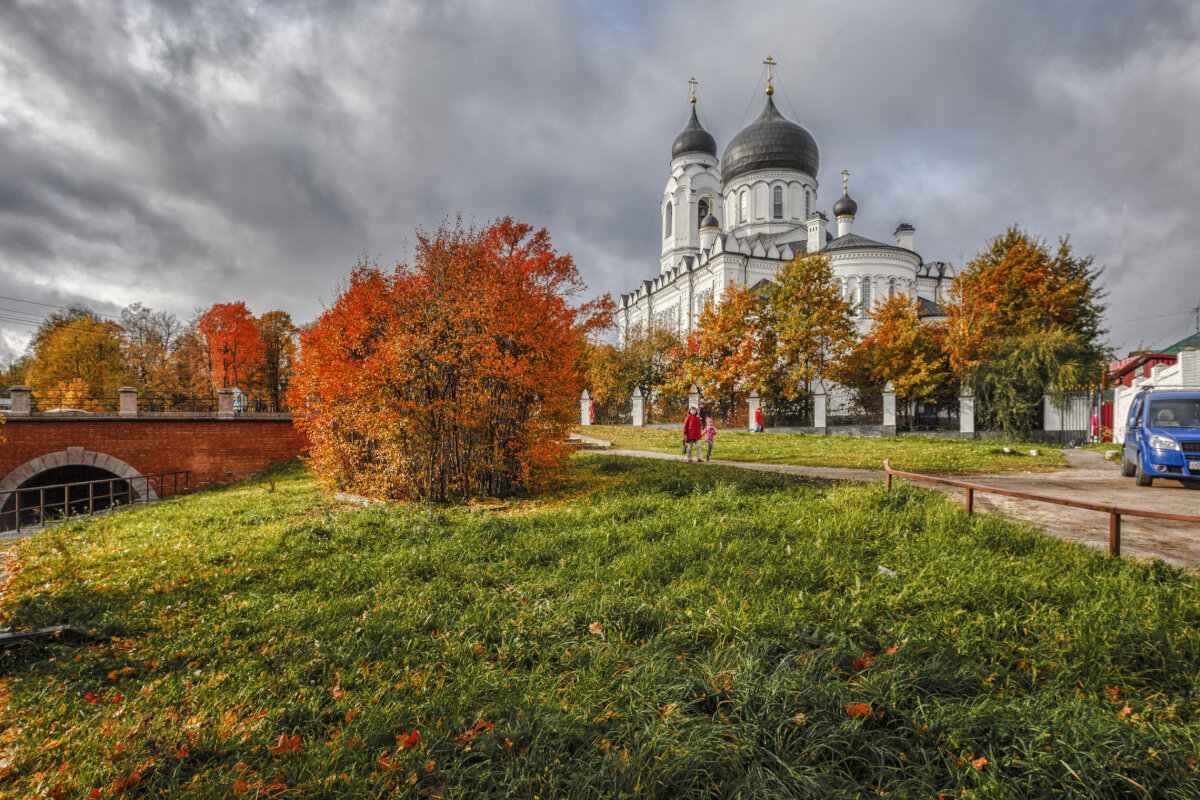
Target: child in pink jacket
x,y
710,433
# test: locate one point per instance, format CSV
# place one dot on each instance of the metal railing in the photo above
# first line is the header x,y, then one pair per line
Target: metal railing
x,y
66,400
1114,512
74,503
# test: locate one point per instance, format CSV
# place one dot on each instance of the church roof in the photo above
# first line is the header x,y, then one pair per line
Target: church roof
x,y
854,240
771,141
928,308
694,139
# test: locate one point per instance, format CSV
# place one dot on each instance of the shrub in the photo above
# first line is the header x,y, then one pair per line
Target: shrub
x,y
451,377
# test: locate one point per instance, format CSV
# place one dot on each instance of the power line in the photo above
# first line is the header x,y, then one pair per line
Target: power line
x,y
51,305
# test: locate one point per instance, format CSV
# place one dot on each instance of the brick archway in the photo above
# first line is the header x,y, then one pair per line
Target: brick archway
x,y
74,457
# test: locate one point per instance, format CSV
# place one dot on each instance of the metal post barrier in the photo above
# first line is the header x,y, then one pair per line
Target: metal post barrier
x,y
1114,512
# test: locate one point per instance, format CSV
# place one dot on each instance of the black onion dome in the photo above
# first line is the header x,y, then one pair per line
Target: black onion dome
x,y
771,141
845,206
694,139
709,221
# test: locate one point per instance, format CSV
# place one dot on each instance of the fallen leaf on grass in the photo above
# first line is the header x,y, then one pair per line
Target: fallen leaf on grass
x,y
596,628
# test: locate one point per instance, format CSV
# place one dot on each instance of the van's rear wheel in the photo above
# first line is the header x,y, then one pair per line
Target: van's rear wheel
x,y
1140,477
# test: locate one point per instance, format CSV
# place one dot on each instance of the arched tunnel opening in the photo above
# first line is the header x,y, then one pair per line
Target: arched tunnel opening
x,y
63,492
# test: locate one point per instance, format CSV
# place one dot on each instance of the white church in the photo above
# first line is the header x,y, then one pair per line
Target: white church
x,y
737,220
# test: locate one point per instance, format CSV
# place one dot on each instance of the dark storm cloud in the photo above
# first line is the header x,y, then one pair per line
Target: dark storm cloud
x,y
183,153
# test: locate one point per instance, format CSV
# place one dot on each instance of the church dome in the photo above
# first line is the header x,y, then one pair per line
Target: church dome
x,y
709,221
694,139
770,142
845,206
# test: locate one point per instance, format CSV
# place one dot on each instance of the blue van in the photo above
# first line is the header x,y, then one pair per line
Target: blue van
x,y
1162,437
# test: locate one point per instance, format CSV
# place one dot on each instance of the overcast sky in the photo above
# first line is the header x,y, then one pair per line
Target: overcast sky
x,y
186,153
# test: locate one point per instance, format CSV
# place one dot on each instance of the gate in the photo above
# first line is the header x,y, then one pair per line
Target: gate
x,y
1068,419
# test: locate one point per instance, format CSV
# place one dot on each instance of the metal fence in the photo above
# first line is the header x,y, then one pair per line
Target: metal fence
x,y
614,412
38,505
666,408
845,408
731,411
796,414
48,401
928,415
162,402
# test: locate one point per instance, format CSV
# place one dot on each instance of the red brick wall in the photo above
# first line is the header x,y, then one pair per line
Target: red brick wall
x,y
215,451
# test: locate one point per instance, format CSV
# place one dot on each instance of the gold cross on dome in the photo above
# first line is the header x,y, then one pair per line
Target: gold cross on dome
x,y
692,80
770,62
845,181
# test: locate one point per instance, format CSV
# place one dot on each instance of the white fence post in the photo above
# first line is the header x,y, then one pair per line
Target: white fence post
x,y
753,404
820,407
889,409
639,408
966,414
694,397
585,408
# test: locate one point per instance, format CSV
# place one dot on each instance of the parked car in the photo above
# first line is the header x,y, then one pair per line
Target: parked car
x,y
1162,438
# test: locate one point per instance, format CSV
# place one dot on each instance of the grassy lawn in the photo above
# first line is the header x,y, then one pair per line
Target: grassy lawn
x,y
645,632
909,453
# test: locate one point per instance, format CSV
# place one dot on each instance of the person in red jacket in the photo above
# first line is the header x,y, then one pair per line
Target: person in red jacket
x,y
691,433
758,420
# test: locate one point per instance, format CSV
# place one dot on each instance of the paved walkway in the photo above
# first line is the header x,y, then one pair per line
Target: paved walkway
x,y
1088,477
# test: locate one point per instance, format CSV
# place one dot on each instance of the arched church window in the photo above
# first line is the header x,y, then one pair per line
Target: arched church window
x,y
701,213
892,287
743,206
777,203
864,297
668,219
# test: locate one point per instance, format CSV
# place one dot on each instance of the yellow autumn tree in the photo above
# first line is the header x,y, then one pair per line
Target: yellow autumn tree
x,y
77,364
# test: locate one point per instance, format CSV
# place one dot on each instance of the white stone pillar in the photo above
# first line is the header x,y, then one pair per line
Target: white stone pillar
x,y
820,407
1051,415
966,414
639,408
127,401
585,403
225,403
694,397
21,397
889,410
753,404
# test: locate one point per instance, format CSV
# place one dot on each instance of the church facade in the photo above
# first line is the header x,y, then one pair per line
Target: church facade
x,y
737,220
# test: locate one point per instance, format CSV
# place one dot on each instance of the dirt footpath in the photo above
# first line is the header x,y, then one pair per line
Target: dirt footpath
x,y
1088,477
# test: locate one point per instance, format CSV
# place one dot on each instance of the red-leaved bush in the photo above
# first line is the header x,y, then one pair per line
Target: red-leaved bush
x,y
451,377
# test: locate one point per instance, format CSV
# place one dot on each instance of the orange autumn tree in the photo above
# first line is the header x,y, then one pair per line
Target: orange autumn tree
x,y
900,348
230,344
1023,321
451,377
721,355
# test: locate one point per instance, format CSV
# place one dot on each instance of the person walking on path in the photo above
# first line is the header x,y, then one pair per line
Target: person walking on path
x,y
691,433
758,420
710,433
